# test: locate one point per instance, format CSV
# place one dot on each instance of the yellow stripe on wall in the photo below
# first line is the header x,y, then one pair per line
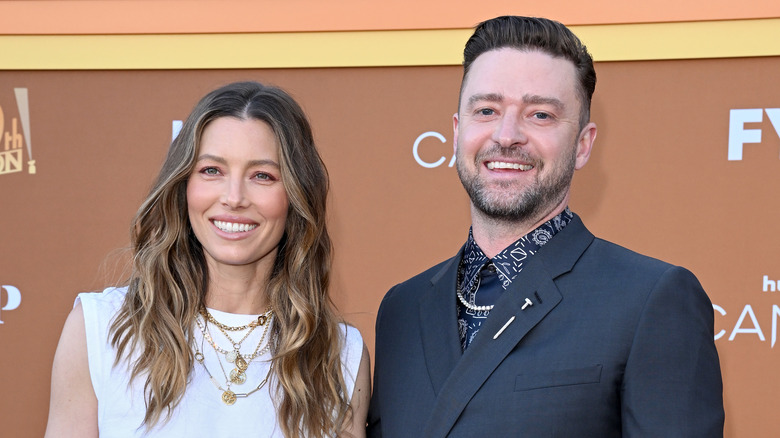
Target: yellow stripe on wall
x,y
624,42
691,40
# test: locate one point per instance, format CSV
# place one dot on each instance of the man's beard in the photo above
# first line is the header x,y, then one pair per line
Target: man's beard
x,y
525,203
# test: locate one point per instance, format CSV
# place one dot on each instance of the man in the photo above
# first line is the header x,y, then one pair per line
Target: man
x,y
536,328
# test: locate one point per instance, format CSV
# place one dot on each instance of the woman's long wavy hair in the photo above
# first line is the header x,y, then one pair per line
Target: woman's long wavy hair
x,y
169,276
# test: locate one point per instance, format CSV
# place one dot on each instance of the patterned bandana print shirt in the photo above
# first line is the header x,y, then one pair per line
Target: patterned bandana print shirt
x,y
508,264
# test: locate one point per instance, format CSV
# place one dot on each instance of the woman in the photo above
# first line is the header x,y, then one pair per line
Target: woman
x,y
225,327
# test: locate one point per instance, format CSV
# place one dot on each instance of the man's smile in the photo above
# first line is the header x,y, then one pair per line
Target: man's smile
x,y
505,165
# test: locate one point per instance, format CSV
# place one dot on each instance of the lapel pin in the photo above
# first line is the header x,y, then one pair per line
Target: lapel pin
x,y
527,303
498,333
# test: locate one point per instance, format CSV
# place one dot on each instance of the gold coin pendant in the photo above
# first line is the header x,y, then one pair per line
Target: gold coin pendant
x,y
229,397
241,363
237,377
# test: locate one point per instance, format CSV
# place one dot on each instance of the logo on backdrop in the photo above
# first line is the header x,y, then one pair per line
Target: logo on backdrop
x,y
15,135
436,150
739,135
748,324
12,301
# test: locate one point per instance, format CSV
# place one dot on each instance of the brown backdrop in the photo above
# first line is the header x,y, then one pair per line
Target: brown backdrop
x,y
659,182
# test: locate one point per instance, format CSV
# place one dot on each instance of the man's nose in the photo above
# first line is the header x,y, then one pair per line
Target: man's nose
x,y
510,130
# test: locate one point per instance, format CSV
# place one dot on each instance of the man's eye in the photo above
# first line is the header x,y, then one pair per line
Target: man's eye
x,y
486,112
542,116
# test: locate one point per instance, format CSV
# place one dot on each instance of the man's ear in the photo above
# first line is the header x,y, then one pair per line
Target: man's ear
x,y
585,145
455,133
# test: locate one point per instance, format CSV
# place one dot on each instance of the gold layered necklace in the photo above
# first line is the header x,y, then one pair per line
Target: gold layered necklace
x,y
237,375
261,320
234,356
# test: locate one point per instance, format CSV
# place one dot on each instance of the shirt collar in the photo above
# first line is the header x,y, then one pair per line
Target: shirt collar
x,y
510,261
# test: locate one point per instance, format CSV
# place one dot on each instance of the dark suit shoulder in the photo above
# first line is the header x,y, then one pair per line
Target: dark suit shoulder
x,y
623,256
626,274
412,287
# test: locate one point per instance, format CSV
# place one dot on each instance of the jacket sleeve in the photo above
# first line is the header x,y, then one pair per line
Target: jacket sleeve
x,y
374,422
672,385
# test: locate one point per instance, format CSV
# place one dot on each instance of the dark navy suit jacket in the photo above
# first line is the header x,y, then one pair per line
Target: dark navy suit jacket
x,y
615,344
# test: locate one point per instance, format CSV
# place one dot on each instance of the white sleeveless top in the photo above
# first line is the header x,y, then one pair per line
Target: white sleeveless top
x,y
201,412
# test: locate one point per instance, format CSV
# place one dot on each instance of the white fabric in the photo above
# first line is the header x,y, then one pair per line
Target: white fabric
x,y
201,412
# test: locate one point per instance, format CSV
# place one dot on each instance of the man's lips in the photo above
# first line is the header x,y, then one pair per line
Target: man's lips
x,y
507,165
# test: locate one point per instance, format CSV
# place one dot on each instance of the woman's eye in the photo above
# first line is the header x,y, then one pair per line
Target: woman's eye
x,y
264,176
210,171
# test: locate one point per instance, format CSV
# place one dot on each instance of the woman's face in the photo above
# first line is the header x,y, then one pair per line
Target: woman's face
x,y
236,201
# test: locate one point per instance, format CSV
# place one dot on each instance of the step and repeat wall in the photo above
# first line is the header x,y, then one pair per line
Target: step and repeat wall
x,y
686,168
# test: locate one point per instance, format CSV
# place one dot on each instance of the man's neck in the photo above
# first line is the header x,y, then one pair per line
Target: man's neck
x,y
493,235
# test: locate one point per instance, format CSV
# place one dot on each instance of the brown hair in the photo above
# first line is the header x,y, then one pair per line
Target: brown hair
x,y
170,276
529,33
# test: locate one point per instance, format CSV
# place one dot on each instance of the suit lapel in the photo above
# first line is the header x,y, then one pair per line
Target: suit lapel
x,y
485,353
439,324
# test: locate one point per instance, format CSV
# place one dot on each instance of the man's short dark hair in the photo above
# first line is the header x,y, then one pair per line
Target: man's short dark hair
x,y
528,34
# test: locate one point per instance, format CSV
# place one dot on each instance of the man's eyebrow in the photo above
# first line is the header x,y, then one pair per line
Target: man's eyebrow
x,y
486,97
534,99
528,99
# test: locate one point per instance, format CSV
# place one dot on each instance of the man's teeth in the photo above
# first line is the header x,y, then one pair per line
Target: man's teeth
x,y
230,227
502,165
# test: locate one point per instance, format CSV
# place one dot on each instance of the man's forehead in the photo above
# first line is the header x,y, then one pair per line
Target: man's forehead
x,y
532,74
501,61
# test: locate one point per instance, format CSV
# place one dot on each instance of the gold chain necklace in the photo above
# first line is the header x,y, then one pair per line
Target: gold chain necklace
x,y
231,356
261,320
228,397
241,361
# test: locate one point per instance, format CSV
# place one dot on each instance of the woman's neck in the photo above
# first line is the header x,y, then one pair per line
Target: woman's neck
x,y
238,289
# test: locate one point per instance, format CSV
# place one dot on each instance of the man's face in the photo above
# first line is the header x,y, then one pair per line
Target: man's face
x,y
517,134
